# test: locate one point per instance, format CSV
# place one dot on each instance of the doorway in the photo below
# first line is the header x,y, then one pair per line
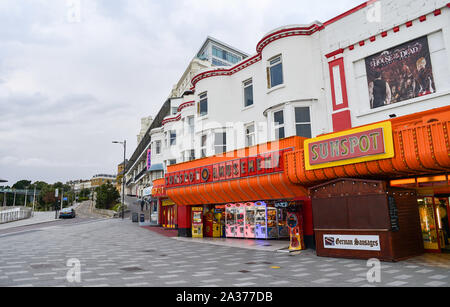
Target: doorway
x,y
435,219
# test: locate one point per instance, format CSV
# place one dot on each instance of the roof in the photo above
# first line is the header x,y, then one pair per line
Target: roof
x,y
214,40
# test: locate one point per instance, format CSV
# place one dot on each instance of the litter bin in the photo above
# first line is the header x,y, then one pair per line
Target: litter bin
x,y
135,217
142,218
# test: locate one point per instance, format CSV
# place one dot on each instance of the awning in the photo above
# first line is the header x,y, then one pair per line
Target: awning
x,y
421,145
251,174
156,167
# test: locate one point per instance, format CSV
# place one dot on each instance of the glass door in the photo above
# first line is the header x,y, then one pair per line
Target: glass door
x,y
428,224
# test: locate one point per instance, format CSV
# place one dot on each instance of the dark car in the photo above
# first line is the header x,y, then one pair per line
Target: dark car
x,y
67,213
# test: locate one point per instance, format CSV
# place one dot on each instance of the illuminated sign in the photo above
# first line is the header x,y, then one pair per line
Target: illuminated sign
x,y
149,159
262,164
357,145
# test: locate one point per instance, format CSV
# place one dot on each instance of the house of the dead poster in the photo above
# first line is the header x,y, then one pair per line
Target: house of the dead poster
x,y
400,73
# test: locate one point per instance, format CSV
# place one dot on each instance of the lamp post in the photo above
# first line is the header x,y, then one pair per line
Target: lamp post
x,y
124,143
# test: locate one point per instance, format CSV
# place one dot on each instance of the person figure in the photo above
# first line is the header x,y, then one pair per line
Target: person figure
x,y
142,204
379,92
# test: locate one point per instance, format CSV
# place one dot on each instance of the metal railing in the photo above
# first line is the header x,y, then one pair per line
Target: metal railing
x,y
14,214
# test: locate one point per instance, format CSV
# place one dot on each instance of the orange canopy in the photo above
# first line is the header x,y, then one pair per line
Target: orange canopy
x,y
421,145
271,186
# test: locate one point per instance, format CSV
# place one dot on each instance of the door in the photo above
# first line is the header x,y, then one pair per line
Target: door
x,y
441,204
428,224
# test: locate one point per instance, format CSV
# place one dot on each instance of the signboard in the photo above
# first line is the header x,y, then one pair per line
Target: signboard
x,y
400,73
369,143
353,242
263,164
149,159
147,191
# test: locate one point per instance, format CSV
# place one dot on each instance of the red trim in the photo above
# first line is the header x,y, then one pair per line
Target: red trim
x,y
172,119
185,105
396,29
349,12
423,18
342,121
362,43
284,33
409,24
448,5
351,47
332,54
373,38
437,12
384,34
339,62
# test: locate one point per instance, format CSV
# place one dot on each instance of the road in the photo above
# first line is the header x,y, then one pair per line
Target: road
x,y
116,252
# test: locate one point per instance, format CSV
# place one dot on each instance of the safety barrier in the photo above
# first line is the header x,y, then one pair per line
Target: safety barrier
x,y
14,214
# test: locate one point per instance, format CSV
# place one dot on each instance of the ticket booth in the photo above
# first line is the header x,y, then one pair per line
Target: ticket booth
x,y
197,222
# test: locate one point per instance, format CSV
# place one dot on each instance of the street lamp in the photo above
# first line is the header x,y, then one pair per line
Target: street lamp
x,y
124,143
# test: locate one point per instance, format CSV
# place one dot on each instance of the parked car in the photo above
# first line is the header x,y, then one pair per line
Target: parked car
x,y
67,213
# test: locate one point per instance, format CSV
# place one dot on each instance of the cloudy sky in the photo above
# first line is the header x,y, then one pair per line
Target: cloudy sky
x,y
69,87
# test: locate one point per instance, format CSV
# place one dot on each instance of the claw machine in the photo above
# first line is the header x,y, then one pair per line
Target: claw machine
x,y
230,221
197,222
249,230
240,218
260,220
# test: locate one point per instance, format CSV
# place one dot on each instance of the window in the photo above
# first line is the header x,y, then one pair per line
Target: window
x,y
248,93
172,162
225,55
219,63
190,155
174,110
303,122
158,147
220,142
191,124
203,146
278,118
165,139
203,105
275,72
173,138
250,135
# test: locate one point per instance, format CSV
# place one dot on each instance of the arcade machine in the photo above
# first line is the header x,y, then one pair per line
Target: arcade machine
x,y
283,229
209,221
219,217
249,230
272,223
260,220
295,224
197,222
230,220
240,220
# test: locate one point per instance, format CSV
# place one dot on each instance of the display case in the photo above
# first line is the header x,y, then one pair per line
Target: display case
x,y
197,222
283,229
249,230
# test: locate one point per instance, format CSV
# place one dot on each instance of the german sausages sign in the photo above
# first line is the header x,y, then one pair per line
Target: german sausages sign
x,y
263,164
362,144
368,243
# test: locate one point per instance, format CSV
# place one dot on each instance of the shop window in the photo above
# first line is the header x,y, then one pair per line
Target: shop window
x,y
220,142
303,122
248,93
278,119
275,72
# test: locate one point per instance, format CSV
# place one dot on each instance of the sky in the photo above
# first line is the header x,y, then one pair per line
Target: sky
x,y
73,78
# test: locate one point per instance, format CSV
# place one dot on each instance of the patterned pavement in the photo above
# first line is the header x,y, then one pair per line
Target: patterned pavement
x,y
119,253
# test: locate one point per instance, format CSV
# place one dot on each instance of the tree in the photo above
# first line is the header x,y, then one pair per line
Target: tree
x,y
107,196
